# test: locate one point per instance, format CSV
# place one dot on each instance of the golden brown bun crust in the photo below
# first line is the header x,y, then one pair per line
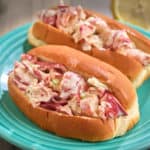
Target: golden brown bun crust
x,y
84,128
89,66
127,65
51,35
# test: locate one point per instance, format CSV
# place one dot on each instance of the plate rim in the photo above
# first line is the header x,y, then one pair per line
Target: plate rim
x,y
3,134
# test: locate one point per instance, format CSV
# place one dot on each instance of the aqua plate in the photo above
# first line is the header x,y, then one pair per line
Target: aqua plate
x,y
18,130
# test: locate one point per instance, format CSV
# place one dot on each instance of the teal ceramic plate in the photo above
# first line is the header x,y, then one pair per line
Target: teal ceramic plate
x,y
18,130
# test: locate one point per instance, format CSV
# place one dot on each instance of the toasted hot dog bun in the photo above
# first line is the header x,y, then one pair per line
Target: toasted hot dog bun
x,y
42,34
80,127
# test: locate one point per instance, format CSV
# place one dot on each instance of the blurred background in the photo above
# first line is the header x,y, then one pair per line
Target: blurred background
x,y
15,13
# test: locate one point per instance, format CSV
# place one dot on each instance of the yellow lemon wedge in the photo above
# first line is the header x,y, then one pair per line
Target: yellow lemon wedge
x,y
133,11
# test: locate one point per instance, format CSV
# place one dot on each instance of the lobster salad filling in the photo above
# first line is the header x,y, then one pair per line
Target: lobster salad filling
x,y
52,86
92,31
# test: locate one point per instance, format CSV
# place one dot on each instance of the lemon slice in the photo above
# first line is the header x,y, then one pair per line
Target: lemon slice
x,y
134,11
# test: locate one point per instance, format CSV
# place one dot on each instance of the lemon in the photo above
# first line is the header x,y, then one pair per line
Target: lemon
x,y
133,11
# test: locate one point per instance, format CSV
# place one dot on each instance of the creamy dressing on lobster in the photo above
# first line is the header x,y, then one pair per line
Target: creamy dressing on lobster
x,y
52,86
92,31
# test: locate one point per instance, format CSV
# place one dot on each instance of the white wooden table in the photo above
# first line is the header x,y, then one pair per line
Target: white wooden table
x,y
14,13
